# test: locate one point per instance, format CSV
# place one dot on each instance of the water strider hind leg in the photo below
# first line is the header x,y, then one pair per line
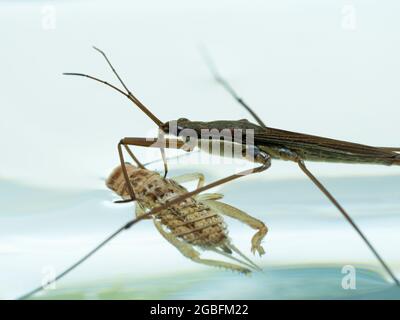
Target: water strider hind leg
x,y
188,251
294,157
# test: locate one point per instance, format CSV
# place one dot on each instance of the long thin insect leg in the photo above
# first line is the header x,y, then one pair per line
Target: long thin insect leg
x,y
154,211
134,158
125,172
169,158
303,167
162,150
225,84
76,264
252,265
348,218
234,249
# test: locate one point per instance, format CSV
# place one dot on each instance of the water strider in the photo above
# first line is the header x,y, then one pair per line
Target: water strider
x,y
269,143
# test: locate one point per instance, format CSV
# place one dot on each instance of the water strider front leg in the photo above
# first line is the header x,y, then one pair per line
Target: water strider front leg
x,y
141,142
189,252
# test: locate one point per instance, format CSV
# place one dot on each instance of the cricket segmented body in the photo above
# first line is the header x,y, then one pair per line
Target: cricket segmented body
x,y
195,221
191,220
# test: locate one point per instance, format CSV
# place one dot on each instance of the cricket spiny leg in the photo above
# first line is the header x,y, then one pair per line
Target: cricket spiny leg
x,y
235,249
241,216
209,196
140,211
249,263
189,252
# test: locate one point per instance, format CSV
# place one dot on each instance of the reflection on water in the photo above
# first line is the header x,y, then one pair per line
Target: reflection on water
x,y
275,283
306,248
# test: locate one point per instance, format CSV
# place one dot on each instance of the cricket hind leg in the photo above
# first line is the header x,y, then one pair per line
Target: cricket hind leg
x,y
232,249
189,252
190,177
242,216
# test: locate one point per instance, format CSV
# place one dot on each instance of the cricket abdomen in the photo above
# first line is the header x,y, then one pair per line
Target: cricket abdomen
x,y
189,220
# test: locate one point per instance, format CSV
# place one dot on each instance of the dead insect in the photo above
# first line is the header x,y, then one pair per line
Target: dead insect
x,y
269,143
184,218
195,222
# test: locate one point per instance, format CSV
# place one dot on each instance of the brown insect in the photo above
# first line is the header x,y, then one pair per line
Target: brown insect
x,y
187,219
194,222
269,143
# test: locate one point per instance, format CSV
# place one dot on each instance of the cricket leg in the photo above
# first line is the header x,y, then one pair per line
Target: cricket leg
x,y
241,216
189,252
190,177
249,263
209,196
201,180
139,211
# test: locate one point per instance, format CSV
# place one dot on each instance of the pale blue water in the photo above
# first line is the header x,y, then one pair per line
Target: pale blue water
x,y
306,247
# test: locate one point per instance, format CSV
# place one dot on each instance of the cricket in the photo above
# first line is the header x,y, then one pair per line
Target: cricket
x,y
269,143
186,219
195,222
